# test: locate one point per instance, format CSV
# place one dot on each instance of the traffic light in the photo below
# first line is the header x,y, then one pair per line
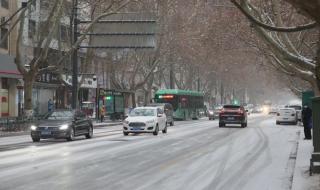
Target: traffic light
x,y
108,97
235,102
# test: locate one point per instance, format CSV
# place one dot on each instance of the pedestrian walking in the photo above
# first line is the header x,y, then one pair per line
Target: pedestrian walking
x,y
102,113
307,122
50,105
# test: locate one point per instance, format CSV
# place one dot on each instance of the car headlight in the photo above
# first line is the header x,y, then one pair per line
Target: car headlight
x,y
126,122
33,127
64,127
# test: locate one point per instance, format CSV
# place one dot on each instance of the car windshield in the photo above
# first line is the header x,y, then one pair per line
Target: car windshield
x,y
143,112
296,107
231,107
60,115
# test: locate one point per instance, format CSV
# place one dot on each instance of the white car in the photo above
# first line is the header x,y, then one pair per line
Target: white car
x,y
145,120
298,109
287,115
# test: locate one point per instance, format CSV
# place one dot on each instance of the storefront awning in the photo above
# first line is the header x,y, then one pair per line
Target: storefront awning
x,y
8,68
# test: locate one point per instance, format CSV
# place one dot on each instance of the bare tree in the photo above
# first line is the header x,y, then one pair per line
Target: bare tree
x,y
286,54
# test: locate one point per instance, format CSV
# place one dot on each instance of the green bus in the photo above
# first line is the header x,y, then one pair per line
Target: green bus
x,y
186,104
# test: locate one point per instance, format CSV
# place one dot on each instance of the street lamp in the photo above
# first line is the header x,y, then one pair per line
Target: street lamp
x,y
74,58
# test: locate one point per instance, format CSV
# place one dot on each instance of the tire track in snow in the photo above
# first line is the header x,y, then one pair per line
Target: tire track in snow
x,y
238,174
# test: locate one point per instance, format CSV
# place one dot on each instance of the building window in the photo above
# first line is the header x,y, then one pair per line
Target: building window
x,y
33,6
31,28
4,83
5,4
64,33
3,32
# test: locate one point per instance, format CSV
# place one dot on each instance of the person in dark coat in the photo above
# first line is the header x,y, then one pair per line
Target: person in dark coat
x,y
307,121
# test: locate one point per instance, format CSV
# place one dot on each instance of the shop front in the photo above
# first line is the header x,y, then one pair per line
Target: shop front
x,y
10,79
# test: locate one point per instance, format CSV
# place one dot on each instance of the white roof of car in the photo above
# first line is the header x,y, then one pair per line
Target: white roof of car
x,y
287,109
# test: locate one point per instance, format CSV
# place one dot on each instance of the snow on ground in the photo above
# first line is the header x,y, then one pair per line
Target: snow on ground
x,y
193,155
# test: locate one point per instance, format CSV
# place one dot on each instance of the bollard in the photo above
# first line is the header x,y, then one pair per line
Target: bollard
x,y
315,157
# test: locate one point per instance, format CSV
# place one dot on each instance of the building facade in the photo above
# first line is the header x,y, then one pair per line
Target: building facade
x,y
10,78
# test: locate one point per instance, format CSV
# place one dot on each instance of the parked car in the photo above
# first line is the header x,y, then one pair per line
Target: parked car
x,y
257,109
233,114
62,124
298,109
273,110
145,120
211,114
217,111
168,110
286,115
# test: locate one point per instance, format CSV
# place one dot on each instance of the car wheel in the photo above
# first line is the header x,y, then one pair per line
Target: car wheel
x,y
165,129
221,125
71,135
90,133
277,122
125,133
35,139
156,131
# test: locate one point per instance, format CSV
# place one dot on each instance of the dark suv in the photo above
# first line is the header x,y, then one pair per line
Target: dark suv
x,y
233,114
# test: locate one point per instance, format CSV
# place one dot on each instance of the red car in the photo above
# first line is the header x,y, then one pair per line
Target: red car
x,y
233,114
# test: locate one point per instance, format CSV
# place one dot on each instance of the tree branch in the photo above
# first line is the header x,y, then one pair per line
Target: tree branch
x,y
274,28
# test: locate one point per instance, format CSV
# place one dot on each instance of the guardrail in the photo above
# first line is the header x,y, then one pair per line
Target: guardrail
x,y
10,124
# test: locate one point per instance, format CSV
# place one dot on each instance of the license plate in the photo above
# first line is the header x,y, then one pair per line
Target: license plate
x,y
285,118
136,128
230,118
45,132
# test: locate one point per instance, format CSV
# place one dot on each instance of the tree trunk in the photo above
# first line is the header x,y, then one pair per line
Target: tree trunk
x,y
316,87
133,98
28,86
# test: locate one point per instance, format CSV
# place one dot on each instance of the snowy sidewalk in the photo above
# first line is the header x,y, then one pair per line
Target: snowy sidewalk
x,y
301,178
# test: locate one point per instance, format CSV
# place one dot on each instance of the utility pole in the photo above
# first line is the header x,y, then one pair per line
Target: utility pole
x,y
75,55
171,76
198,80
222,93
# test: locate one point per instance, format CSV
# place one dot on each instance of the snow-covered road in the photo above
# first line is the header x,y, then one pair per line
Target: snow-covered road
x,y
192,155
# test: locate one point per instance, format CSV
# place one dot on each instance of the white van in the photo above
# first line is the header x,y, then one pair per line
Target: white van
x,y
287,115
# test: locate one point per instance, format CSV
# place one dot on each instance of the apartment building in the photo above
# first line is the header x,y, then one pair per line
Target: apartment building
x,y
10,78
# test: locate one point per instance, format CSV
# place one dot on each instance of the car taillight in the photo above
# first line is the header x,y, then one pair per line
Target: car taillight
x,y
240,112
221,112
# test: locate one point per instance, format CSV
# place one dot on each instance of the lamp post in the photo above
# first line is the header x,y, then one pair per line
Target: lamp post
x,y
74,58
